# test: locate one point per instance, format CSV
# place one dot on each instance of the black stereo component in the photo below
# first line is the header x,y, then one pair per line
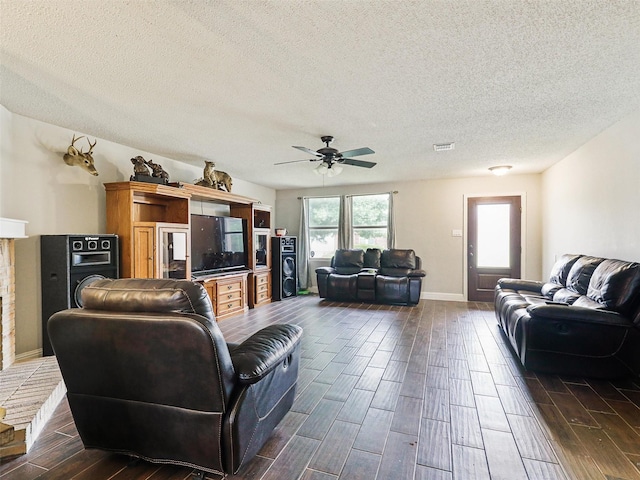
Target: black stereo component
x,y
284,268
68,263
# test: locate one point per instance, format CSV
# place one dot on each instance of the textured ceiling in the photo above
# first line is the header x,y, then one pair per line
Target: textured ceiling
x,y
240,82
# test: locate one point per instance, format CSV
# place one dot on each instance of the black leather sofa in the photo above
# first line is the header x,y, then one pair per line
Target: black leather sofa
x,y
382,276
584,321
149,375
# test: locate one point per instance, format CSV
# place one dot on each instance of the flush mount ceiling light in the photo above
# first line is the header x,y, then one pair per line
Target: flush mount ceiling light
x,y
500,169
443,147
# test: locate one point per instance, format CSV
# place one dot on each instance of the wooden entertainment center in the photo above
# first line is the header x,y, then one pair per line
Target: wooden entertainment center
x,y
153,223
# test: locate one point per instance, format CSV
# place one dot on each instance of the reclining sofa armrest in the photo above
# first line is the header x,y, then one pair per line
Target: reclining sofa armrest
x,y
326,270
259,354
518,284
417,273
557,311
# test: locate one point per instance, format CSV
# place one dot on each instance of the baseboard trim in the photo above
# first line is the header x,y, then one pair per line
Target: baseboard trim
x,y
447,297
37,353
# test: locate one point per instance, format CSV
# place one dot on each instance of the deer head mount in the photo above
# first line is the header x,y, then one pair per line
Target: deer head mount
x,y
75,157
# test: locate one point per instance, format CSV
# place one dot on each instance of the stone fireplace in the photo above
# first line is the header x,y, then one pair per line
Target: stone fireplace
x,y
9,230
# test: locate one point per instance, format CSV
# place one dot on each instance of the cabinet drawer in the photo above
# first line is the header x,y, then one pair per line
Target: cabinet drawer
x,y
262,288
262,296
224,288
229,306
262,279
227,296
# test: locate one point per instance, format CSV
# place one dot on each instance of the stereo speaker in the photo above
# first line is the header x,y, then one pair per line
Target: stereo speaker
x,y
68,263
284,268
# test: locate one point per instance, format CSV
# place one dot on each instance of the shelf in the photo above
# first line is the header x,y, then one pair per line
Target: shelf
x,y
198,192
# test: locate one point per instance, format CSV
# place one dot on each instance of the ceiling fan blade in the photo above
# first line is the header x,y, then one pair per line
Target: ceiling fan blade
x,y
309,151
357,152
296,161
357,163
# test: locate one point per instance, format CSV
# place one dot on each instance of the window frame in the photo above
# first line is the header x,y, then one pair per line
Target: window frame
x,y
384,227
311,228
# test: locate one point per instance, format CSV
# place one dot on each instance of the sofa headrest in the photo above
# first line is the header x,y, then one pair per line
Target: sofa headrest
x,y
561,268
397,258
580,273
148,295
348,261
549,289
372,258
616,285
398,262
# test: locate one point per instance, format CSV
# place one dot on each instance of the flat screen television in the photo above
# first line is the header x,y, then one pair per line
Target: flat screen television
x,y
218,244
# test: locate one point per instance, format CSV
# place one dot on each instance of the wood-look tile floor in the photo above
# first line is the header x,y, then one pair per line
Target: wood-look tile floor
x,y
392,393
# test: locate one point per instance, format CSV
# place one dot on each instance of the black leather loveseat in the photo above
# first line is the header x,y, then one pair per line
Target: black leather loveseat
x,y
584,321
387,276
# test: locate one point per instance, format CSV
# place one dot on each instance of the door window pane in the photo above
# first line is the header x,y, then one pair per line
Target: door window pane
x,y
493,236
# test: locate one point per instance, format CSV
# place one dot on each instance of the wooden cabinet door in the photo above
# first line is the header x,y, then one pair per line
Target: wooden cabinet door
x,y
173,248
144,252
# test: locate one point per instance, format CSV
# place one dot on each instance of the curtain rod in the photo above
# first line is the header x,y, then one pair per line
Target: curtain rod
x,y
356,195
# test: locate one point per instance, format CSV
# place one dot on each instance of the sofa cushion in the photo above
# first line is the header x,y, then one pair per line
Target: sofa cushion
x,y
615,285
549,289
347,262
580,274
584,301
372,258
562,267
397,262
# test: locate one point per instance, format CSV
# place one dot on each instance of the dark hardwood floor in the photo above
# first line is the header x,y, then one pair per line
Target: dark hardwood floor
x,y
392,393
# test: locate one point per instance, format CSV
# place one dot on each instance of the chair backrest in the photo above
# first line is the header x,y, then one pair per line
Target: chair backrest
x,y
149,341
616,285
347,262
398,262
560,270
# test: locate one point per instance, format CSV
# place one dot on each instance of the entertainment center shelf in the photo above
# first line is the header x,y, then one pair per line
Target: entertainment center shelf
x,y
153,223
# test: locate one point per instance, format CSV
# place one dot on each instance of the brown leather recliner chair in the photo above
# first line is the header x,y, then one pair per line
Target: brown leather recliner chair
x,y
148,374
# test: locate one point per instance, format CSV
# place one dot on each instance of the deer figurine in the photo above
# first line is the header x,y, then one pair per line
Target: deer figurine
x,y
75,157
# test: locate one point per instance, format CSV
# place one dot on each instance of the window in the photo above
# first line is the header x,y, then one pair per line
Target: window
x,y
368,228
370,221
323,226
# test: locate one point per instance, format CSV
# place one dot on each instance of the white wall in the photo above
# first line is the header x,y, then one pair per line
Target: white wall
x,y
592,197
36,185
426,213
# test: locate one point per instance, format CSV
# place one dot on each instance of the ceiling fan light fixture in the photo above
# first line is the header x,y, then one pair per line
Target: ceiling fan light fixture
x,y
500,169
321,169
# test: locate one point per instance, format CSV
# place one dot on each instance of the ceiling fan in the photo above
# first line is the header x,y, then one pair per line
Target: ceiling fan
x,y
332,160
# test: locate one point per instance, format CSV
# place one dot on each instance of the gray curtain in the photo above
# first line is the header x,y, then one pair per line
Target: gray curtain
x,y
345,227
304,276
391,231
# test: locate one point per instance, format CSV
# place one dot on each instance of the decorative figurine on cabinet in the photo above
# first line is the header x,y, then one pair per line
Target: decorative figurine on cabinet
x,y
158,171
213,178
141,171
